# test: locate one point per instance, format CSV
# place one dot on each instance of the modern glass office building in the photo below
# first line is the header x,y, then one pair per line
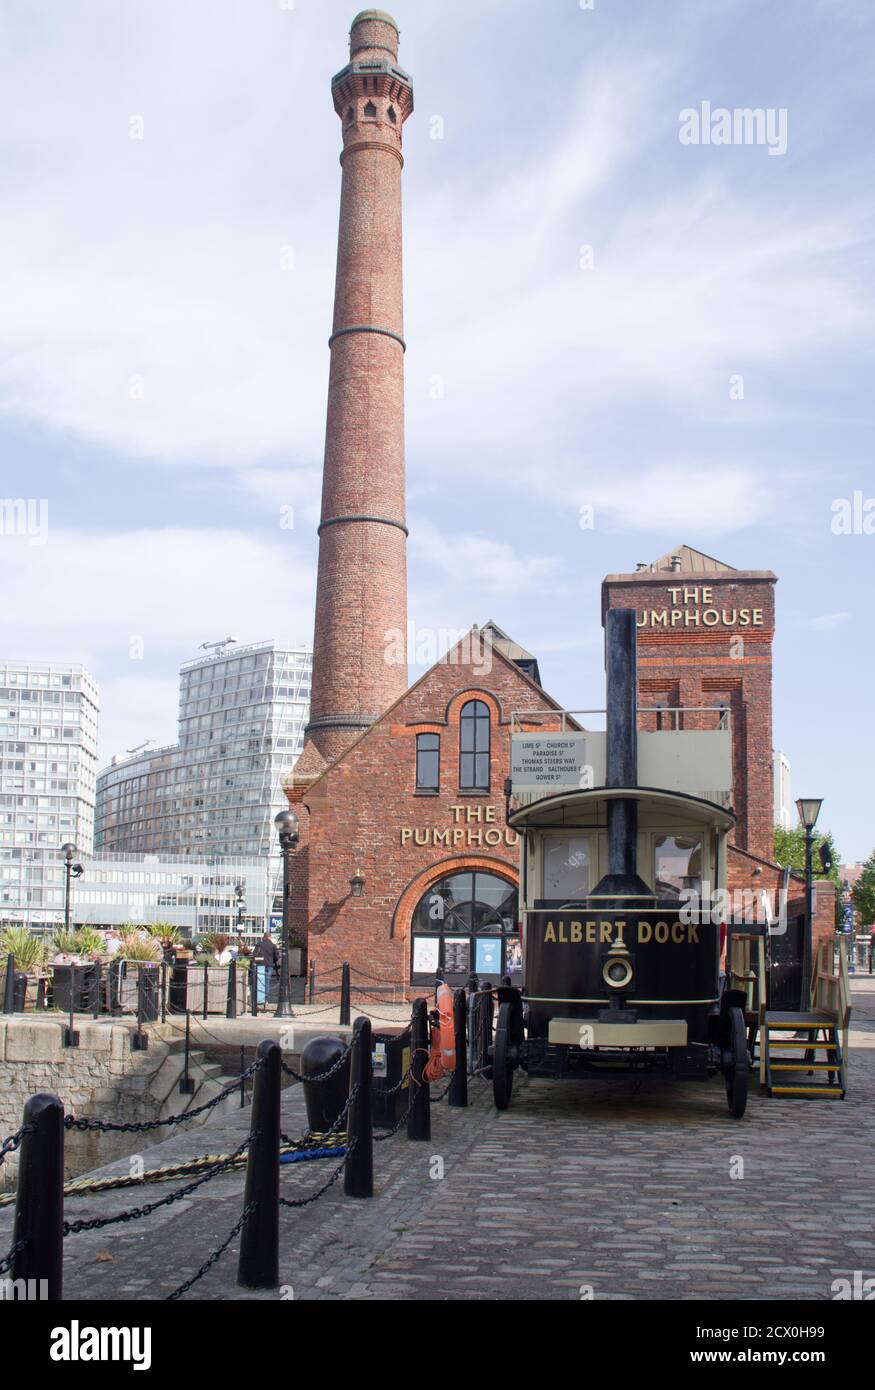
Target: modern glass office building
x,y
242,714
48,771
196,895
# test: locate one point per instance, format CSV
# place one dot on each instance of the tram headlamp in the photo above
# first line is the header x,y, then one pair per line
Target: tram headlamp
x,y
617,971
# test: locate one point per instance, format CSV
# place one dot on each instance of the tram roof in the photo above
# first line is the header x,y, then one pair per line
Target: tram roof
x,y
562,807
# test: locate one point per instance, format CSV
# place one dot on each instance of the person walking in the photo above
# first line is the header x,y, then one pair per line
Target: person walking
x,y
267,957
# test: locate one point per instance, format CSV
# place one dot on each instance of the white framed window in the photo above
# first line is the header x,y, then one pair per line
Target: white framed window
x,y
568,866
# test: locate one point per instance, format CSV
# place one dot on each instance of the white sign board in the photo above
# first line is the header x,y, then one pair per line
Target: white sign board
x,y
547,762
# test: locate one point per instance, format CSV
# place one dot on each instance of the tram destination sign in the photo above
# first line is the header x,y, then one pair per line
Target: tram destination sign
x,y
548,762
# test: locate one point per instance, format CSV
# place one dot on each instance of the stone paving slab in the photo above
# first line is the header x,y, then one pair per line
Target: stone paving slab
x,y
584,1189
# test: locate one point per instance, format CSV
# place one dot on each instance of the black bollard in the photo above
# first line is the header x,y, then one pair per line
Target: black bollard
x,y
114,987
186,1082
231,1005
324,1099
487,1010
41,993
312,991
9,991
164,991
206,987
358,1172
95,980
458,1093
419,1114
253,987
71,1037
20,992
258,1265
39,1205
140,1040
344,995
242,1080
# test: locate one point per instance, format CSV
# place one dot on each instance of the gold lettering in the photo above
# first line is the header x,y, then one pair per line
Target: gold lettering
x,y
645,931
674,595
457,813
576,932
693,933
659,619
474,813
744,617
677,932
758,617
406,834
550,932
562,937
707,594
676,615
490,813
660,932
458,835
420,837
604,933
590,933
493,837
441,837
475,837
710,617
621,927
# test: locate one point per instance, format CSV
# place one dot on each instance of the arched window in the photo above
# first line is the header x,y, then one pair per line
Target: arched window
x,y
428,762
474,739
465,924
370,111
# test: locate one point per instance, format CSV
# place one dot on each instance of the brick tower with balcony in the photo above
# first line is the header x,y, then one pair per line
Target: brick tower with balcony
x,y
359,647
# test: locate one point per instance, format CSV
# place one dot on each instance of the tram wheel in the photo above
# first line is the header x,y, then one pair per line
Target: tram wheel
x,y
737,1076
502,1065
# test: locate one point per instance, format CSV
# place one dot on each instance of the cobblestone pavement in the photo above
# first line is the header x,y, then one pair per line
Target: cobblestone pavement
x,y
625,1191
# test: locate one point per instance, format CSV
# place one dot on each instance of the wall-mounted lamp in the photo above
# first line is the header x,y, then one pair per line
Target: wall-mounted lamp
x,y
356,885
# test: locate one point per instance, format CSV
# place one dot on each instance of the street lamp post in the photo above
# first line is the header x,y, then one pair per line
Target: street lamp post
x,y
286,823
240,898
809,810
71,871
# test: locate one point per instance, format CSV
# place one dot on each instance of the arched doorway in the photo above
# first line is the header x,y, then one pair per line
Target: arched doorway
x,y
465,923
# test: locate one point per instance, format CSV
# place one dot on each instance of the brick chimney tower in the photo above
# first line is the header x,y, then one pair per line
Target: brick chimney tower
x,y
359,646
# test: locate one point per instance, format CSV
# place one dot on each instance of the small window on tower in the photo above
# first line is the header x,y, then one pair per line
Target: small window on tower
x,y
392,116
371,111
349,116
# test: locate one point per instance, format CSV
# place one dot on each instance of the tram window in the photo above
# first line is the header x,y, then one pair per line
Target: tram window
x,y
567,866
474,737
677,864
428,760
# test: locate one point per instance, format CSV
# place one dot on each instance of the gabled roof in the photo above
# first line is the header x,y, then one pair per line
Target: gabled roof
x,y
463,642
511,649
692,561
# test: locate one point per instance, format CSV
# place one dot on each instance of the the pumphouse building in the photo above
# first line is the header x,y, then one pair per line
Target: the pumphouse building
x,y
405,862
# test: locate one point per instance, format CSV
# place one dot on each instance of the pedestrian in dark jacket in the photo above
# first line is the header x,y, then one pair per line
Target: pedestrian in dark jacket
x,y
267,957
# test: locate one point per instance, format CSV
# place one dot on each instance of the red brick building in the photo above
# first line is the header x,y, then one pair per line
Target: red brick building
x,y
405,863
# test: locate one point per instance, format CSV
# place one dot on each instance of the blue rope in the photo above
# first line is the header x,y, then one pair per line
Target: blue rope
x,y
304,1155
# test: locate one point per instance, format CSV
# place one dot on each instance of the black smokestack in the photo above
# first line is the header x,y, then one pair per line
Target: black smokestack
x,y
621,659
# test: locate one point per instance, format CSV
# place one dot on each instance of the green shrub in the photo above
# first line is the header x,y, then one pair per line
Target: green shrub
x,y
134,947
28,949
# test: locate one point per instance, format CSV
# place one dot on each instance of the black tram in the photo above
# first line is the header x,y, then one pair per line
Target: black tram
x,y
623,981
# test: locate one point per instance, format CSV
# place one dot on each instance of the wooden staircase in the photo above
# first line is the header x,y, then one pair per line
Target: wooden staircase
x,y
803,1055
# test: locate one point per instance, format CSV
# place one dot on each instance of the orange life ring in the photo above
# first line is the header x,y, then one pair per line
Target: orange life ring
x,y
442,1056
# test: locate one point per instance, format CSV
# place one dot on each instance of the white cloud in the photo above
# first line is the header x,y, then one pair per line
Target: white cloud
x,y
132,606
696,498
827,621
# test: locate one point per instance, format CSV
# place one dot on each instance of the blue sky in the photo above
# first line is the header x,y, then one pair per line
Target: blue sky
x,y
534,386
